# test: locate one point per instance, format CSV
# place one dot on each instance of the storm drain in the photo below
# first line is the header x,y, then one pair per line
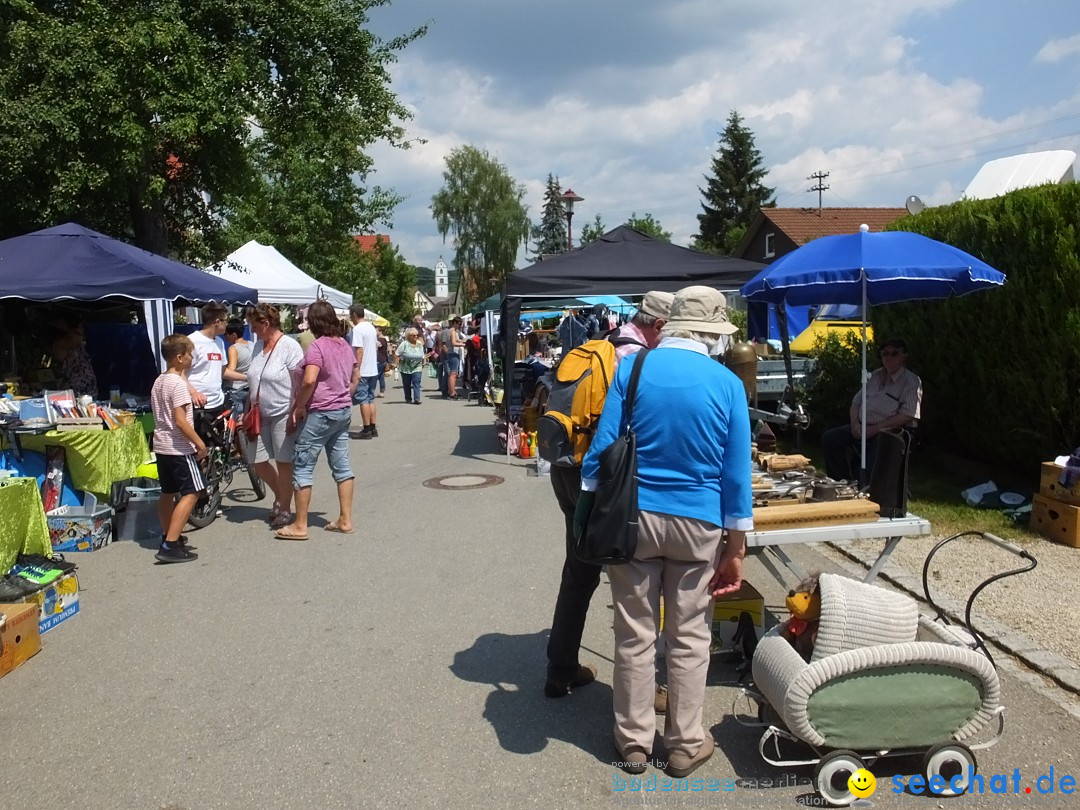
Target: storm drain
x,y
457,482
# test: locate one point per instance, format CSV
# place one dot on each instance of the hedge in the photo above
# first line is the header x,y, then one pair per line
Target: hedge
x,y
1001,368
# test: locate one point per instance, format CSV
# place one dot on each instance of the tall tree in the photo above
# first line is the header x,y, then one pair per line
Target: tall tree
x,y
163,120
734,191
591,231
648,226
550,235
480,206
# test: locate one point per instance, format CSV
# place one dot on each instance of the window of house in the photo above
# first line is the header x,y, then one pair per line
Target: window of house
x,y
770,245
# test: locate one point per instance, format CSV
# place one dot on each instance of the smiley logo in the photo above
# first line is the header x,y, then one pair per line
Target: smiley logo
x,y
862,783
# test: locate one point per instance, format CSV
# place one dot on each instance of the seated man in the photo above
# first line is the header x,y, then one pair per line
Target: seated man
x,y
893,400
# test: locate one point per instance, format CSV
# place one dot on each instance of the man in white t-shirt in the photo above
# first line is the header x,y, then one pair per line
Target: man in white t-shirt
x,y
366,344
207,362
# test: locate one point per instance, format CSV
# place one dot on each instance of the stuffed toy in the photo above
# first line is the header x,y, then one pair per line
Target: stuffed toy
x,y
804,603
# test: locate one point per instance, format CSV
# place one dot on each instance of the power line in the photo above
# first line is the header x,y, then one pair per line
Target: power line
x,y
819,186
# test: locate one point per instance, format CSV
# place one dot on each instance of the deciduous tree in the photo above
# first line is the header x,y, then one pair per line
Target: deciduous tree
x,y
734,191
591,231
648,226
480,206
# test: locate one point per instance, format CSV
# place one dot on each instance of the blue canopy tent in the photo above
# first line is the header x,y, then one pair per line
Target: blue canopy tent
x,y
72,263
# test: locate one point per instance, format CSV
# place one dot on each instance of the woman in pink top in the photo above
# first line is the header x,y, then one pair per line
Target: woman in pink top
x,y
324,405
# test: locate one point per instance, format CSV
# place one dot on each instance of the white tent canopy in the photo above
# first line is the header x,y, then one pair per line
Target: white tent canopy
x,y
278,280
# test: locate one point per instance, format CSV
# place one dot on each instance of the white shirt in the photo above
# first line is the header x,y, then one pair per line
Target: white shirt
x,y
364,337
207,361
272,376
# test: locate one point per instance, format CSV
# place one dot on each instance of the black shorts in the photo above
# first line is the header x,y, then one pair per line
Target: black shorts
x,y
179,475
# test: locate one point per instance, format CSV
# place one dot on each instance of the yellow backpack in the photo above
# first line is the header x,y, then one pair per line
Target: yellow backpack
x,y
580,386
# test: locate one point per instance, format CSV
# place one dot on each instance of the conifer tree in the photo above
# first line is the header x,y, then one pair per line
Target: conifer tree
x,y
733,192
550,235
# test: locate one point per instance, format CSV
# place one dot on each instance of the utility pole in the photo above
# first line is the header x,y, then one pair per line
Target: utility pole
x,y
818,186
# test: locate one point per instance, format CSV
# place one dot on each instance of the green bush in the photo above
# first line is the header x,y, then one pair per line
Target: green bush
x,y
835,379
1001,368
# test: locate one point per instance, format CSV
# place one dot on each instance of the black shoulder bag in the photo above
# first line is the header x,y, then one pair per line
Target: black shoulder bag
x,y
610,535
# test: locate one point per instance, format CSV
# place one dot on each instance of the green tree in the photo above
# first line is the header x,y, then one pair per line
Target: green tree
x,y
480,206
591,231
734,191
550,235
179,124
648,226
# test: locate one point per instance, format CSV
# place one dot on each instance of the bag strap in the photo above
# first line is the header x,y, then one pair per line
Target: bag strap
x,y
631,388
258,387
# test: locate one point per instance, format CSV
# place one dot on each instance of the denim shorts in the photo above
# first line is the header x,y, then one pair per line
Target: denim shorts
x,y
329,429
365,390
453,363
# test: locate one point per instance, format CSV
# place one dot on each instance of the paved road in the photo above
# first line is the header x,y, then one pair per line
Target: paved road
x,y
399,667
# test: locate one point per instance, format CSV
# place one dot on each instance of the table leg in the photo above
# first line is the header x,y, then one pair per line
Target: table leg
x,y
785,560
882,558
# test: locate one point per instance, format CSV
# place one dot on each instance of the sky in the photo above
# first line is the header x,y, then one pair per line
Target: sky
x,y
625,100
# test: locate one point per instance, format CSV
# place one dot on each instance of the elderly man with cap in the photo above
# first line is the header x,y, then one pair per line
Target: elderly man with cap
x,y
579,579
694,495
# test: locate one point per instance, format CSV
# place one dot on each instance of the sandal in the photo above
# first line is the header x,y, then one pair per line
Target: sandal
x,y
282,520
275,513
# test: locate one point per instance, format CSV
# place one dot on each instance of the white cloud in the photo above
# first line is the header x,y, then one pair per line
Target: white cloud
x,y
1057,49
624,101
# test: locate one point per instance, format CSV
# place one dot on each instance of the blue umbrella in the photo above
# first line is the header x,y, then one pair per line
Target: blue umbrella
x,y
870,268
70,262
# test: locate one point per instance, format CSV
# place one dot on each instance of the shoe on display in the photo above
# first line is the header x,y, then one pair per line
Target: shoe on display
x,y
37,574
41,561
15,589
174,553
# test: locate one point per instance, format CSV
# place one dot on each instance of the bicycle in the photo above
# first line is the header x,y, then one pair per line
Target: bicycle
x,y
224,457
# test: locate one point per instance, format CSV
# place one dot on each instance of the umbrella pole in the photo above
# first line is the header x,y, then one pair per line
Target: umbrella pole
x,y
862,373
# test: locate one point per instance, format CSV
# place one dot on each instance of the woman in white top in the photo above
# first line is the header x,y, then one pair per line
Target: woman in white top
x,y
235,372
276,362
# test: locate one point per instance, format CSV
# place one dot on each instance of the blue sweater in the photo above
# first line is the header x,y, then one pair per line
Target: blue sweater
x,y
693,436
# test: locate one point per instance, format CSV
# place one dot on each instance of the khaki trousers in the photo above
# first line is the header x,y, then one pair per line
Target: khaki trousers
x,y
675,556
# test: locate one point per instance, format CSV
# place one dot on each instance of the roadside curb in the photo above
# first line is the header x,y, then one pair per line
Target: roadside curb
x,y
1056,667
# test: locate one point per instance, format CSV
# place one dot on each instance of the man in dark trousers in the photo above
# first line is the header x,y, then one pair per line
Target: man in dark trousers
x,y
579,580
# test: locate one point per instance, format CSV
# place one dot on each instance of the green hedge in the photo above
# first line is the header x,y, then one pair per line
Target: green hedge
x,y
1001,368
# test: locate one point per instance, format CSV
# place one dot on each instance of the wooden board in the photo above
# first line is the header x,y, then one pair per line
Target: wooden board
x,y
805,515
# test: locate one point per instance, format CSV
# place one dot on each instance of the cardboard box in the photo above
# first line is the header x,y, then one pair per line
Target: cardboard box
x,y
1050,486
56,603
1057,520
80,528
726,613
20,636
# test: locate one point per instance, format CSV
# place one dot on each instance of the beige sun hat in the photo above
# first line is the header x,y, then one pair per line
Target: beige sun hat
x,y
657,304
701,309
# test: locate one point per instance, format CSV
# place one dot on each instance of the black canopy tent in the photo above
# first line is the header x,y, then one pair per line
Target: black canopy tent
x,y
627,262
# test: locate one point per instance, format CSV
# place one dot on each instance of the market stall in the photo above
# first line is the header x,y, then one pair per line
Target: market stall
x,y
96,459
277,280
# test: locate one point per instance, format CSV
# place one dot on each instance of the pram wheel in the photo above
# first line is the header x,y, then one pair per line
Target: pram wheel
x,y
832,775
955,763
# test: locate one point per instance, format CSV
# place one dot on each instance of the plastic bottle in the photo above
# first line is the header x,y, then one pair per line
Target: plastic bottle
x,y
523,447
533,445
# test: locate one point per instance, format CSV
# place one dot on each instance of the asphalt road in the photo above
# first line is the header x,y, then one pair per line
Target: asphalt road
x,y
398,667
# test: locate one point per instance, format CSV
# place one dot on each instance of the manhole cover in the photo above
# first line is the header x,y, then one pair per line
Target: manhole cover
x,y
463,482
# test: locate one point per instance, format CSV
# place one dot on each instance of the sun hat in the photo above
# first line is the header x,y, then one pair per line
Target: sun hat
x,y
701,309
657,304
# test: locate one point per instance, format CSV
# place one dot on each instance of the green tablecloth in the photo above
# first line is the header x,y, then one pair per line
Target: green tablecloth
x,y
97,458
23,529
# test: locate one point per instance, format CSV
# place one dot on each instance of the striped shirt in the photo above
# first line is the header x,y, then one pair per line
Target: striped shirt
x,y
169,392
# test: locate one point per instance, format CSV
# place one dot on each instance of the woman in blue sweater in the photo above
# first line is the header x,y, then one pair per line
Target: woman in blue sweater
x,y
694,495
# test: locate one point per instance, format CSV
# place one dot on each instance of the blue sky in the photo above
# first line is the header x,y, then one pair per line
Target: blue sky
x,y
624,99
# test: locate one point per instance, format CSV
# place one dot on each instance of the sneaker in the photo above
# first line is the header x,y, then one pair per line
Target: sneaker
x,y
174,553
41,561
37,574
365,434
183,541
560,687
15,589
374,432
681,764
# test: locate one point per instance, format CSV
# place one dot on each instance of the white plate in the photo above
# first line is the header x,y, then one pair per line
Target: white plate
x,y
1012,498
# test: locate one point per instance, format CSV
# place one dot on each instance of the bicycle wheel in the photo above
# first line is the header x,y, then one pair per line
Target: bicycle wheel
x,y
258,486
205,511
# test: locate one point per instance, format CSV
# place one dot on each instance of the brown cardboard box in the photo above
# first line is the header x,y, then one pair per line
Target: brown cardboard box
x,y
1057,520
1050,487
20,639
726,612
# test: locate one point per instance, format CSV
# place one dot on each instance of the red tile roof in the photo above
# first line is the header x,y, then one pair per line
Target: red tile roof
x,y
802,225
367,242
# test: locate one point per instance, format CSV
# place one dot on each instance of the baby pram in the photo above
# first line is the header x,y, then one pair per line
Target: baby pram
x,y
883,680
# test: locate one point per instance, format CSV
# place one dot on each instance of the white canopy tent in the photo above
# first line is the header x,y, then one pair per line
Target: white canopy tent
x,y
278,280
